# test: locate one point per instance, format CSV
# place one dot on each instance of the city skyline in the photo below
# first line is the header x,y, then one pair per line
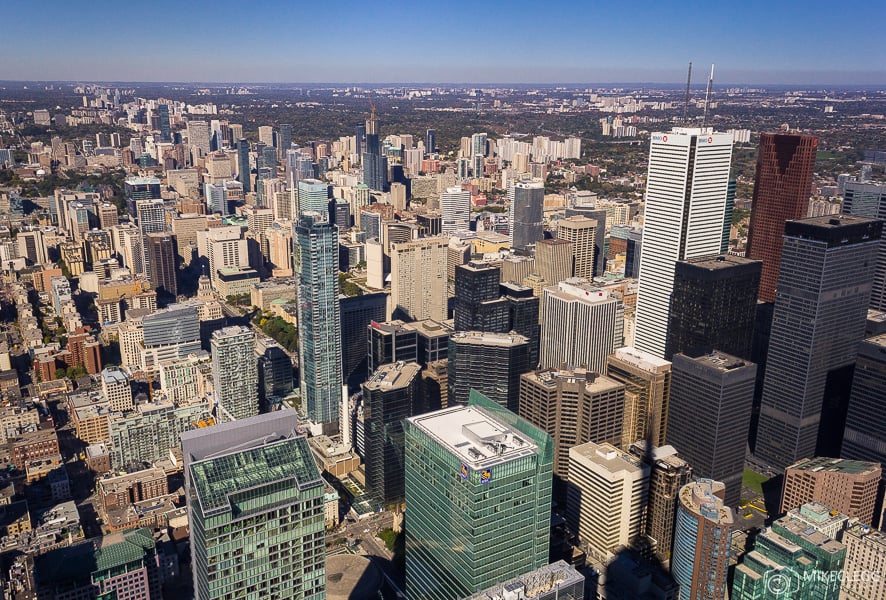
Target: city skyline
x,y
649,43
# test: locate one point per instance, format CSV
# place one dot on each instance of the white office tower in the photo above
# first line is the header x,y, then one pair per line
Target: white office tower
x,y
686,187
581,326
455,206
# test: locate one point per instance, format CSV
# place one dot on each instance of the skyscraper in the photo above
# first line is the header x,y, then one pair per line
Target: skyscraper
x,y
849,486
375,163
313,196
819,319
198,140
255,508
685,207
478,303
235,372
165,133
455,207
527,209
319,321
865,434
430,141
418,278
869,200
284,140
478,487
554,260
702,539
243,170
713,306
647,381
490,363
582,232
782,186
160,249
709,415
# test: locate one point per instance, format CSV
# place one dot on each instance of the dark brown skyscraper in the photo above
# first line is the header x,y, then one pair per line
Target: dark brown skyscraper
x,y
781,193
160,249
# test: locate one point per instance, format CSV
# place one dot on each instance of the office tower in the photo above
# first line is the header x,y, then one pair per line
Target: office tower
x,y
849,486
527,200
107,215
599,215
235,372
865,553
356,314
581,326
218,167
478,487
727,219
582,232
267,159
430,141
702,539
243,170
782,186
160,249
165,132
32,245
667,476
685,206
818,321
709,416
490,363
554,260
791,560
392,393
633,253
341,214
359,139
255,508
319,324
455,207
865,435
274,373
284,140
418,279
371,224
573,407
170,333
313,196
523,311
607,493
713,306
556,580
395,341
647,381
869,200
216,198
266,135
478,303
198,140
375,163
115,389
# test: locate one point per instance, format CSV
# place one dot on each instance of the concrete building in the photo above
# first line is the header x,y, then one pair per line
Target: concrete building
x,y
490,363
116,389
865,435
869,200
556,580
647,381
418,278
582,232
554,260
455,207
849,486
866,561
527,200
235,372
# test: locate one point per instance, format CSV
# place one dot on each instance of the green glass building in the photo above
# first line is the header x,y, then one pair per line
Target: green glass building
x,y
255,505
478,496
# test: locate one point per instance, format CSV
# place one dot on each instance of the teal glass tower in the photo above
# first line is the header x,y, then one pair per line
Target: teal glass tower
x,y
319,320
478,488
255,507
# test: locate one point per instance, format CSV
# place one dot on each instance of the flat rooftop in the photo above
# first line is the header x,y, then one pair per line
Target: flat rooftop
x,y
489,339
474,436
640,359
720,261
393,376
835,465
608,457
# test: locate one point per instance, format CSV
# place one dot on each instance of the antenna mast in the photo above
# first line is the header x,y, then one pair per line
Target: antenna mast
x,y
707,98
686,97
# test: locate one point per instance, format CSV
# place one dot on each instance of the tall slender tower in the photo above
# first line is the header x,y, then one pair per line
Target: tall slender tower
x,y
455,206
319,321
686,191
235,372
818,321
160,250
781,193
243,170
869,200
526,219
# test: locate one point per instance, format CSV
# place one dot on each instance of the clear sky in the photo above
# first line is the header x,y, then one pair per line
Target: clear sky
x,y
492,41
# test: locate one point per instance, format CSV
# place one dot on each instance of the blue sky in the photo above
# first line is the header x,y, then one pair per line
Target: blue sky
x,y
584,41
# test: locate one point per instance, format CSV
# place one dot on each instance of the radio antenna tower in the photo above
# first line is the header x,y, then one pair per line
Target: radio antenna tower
x,y
686,97
707,98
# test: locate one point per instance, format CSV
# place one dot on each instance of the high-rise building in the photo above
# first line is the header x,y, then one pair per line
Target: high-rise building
x,y
313,196
866,555
32,245
554,260
198,140
582,232
713,306
243,169
419,341
478,302
818,321
709,416
320,352
865,435
702,538
556,580
173,332
600,216
527,210
274,373
160,250
255,508
392,393
782,186
478,487
607,493
356,314
849,486
869,200
490,363
790,560
455,207
581,326
573,407
165,132
418,278
375,163
647,381
686,190
266,135
116,389
284,140
430,141
235,372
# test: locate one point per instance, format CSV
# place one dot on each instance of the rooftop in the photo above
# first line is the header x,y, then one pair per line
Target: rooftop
x,y
488,338
393,376
720,261
640,359
836,465
475,436
702,497
540,583
608,457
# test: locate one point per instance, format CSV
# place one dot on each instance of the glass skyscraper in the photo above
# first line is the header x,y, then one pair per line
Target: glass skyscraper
x,y
243,165
255,508
313,196
319,322
478,487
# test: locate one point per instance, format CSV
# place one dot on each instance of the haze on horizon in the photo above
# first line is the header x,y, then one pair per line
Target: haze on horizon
x,y
754,42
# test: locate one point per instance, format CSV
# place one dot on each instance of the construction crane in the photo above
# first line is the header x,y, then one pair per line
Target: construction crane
x,y
707,98
686,96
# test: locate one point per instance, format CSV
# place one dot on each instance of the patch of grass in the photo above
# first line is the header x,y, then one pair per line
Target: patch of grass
x,y
753,480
